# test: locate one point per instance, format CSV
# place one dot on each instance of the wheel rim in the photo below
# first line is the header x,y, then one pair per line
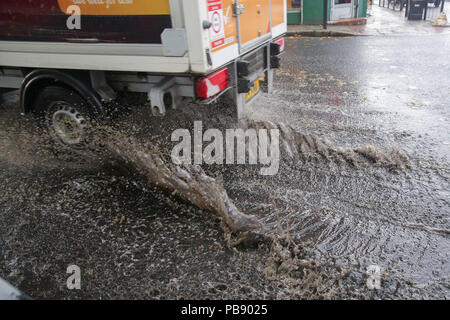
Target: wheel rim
x,y
67,123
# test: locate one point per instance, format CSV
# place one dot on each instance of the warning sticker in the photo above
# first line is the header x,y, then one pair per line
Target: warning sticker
x,y
217,30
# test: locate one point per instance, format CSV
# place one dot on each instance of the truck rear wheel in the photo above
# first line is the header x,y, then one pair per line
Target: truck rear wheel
x,y
65,115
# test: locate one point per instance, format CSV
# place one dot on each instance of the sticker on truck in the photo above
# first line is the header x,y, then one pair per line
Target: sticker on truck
x,y
217,30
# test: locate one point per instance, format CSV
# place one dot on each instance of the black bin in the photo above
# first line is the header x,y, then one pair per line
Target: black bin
x,y
416,9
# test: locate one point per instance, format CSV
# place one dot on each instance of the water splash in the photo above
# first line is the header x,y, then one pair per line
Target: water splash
x,y
189,182
295,144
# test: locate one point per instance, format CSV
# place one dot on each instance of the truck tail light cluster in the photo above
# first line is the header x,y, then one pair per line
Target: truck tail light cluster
x,y
209,86
279,43
276,47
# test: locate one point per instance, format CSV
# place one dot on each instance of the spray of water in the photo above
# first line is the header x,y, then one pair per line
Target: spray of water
x,y
189,182
192,184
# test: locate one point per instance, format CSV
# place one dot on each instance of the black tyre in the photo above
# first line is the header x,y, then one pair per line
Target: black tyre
x,y
66,117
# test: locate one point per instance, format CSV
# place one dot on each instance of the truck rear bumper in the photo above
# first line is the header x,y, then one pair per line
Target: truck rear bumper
x,y
252,73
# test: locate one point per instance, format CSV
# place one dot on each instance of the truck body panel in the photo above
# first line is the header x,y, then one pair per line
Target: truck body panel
x,y
126,35
141,21
254,22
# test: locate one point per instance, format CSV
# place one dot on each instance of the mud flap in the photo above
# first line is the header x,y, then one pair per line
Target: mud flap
x,y
239,101
268,82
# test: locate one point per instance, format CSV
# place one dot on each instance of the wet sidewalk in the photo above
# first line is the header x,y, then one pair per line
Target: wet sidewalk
x,y
381,21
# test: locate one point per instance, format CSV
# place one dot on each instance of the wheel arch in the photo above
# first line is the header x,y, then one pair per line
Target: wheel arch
x,y
77,81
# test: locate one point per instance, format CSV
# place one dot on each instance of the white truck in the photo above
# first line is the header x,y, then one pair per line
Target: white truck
x,y
70,57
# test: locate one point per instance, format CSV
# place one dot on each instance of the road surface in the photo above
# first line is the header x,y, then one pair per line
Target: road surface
x,y
370,189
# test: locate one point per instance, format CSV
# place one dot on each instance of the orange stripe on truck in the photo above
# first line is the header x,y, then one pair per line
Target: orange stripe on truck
x,y
278,12
118,7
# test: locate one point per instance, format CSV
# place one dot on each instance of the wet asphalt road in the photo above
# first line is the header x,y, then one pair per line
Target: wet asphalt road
x,y
386,92
400,84
387,96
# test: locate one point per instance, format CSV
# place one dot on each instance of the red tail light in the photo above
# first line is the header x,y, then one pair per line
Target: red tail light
x,y
212,84
280,41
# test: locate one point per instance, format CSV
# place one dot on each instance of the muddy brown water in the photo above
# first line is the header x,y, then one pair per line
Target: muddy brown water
x,y
332,210
361,205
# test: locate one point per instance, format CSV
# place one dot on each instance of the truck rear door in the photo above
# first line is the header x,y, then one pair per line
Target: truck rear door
x,y
253,22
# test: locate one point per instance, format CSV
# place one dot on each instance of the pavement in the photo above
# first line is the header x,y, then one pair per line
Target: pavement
x,y
381,21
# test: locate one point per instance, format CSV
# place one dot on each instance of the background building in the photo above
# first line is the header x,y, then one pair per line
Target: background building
x,y
311,11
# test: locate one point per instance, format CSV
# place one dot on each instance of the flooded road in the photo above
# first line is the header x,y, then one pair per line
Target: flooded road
x,y
363,182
